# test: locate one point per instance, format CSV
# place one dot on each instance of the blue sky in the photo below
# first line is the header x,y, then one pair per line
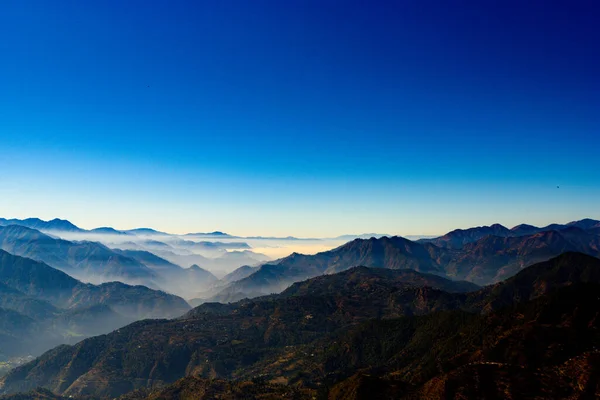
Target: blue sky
x,y
307,118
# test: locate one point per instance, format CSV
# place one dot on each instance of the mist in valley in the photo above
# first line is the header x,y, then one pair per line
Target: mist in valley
x,y
189,265
109,279
219,255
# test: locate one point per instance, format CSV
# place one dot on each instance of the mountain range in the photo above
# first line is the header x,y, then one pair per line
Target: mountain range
x,y
43,307
219,256
61,225
357,334
96,263
483,255
386,317
89,261
457,238
38,224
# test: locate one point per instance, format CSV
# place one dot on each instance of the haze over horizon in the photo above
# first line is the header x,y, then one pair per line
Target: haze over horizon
x,y
283,236
265,118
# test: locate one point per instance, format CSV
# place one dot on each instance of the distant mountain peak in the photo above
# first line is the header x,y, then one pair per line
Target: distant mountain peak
x,y
498,226
145,231
210,234
523,226
108,230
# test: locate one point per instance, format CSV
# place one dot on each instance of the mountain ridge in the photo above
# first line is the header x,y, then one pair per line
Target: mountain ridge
x,y
279,334
487,260
43,282
85,260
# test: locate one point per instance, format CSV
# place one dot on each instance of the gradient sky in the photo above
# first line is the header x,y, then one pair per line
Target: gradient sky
x,y
305,118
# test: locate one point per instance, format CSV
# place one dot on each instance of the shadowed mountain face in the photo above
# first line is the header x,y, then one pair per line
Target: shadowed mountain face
x,y
489,259
322,332
88,261
538,280
40,281
393,253
32,307
41,307
539,349
349,281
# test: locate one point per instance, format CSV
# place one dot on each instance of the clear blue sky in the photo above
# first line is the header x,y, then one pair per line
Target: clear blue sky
x,y
308,118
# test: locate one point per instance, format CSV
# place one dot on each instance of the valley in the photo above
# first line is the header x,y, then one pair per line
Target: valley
x,y
379,311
